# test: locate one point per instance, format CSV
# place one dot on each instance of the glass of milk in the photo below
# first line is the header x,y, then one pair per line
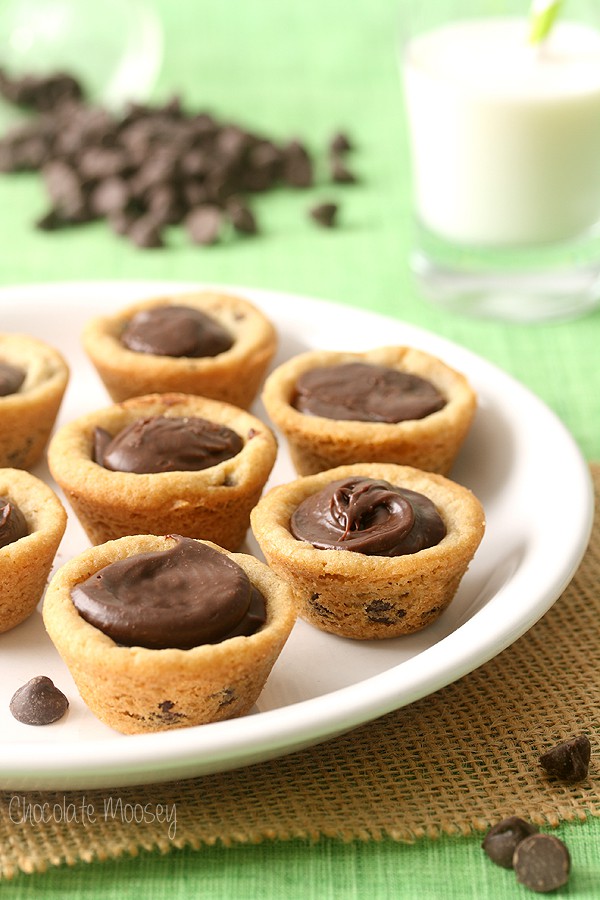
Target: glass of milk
x,y
505,153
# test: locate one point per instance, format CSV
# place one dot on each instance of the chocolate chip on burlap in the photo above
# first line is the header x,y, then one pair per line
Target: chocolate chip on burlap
x,y
568,761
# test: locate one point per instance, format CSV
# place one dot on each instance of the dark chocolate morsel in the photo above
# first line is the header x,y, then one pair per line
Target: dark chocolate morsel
x,y
167,444
38,702
181,598
324,214
364,392
340,143
203,224
368,516
568,761
12,523
11,379
297,169
177,331
242,218
502,839
542,863
40,92
341,173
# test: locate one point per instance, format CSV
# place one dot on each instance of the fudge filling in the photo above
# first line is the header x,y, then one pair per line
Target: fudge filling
x,y
12,523
165,444
363,392
176,331
11,379
368,516
183,597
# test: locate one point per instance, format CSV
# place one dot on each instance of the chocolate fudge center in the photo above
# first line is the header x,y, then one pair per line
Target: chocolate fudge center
x,y
166,444
176,331
365,393
368,516
12,523
11,379
180,598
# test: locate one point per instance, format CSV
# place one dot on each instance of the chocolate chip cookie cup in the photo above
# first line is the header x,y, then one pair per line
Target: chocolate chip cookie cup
x,y
363,595
32,523
135,689
212,503
233,374
318,442
33,379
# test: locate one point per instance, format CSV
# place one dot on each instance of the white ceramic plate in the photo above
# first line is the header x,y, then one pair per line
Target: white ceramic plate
x,y
321,685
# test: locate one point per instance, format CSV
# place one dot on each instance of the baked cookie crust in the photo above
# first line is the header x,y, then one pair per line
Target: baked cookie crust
x,y
318,443
213,504
28,415
26,563
233,376
365,597
136,690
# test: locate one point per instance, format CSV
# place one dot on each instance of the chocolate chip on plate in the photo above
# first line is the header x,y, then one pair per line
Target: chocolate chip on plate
x,y
569,761
542,863
38,702
503,838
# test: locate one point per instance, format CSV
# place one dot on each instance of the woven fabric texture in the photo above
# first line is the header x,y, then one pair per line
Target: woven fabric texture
x,y
452,763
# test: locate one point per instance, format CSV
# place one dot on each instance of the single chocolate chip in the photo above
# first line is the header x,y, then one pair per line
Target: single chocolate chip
x,y
145,232
297,165
203,224
568,761
502,839
340,143
341,173
52,221
242,218
324,214
64,188
110,196
121,221
542,863
38,702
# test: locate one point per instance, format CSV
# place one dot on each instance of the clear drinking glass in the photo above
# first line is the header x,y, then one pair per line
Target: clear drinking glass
x,y
505,154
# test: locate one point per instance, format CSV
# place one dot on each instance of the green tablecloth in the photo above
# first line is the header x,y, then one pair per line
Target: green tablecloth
x,y
306,69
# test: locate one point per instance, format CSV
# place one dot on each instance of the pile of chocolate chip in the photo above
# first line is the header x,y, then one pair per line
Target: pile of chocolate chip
x,y
152,166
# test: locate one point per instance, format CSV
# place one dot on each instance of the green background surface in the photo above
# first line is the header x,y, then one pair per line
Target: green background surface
x,y
307,69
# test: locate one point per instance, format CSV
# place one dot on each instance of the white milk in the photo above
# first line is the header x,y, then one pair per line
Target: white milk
x,y
505,137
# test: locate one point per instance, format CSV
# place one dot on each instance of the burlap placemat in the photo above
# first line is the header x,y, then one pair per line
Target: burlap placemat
x,y
452,763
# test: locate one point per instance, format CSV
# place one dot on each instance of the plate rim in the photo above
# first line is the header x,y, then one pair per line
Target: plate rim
x,y
283,730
